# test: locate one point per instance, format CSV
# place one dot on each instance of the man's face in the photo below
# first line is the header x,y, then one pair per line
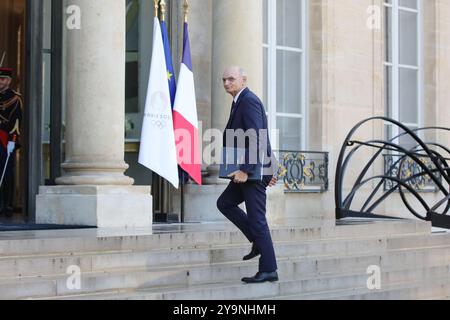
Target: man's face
x,y
233,81
4,83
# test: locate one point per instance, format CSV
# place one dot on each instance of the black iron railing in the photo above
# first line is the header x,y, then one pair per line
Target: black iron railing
x,y
303,171
426,163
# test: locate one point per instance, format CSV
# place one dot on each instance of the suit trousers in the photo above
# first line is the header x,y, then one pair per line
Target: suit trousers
x,y
253,223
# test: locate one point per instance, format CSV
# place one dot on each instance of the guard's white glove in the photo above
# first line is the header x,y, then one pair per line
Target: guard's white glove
x,y
11,146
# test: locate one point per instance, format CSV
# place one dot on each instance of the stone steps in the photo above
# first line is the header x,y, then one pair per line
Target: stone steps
x,y
40,265
111,240
198,262
431,289
191,275
338,286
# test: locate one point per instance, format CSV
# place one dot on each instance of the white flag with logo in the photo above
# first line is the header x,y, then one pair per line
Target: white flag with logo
x,y
158,151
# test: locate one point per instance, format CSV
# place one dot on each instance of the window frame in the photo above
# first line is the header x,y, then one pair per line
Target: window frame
x,y
273,48
395,66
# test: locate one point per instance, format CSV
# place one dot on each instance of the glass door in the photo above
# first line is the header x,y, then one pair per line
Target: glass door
x,y
12,55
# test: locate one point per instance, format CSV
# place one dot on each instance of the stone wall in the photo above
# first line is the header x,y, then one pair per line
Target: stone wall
x,y
346,85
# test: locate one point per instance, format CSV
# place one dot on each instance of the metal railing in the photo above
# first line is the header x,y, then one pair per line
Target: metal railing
x,y
405,168
425,164
303,171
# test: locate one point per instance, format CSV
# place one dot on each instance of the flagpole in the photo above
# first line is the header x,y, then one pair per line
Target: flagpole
x,y
163,10
156,7
162,4
154,182
186,10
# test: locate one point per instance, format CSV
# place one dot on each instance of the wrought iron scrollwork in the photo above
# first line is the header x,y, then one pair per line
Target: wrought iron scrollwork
x,y
406,171
303,171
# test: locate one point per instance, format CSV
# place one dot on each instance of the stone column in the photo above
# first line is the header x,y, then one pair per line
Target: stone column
x,y
95,96
237,40
94,169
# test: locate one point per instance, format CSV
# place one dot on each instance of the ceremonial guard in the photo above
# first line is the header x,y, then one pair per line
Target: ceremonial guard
x,y
10,121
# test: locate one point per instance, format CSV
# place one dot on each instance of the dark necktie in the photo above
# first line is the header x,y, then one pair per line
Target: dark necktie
x,y
233,109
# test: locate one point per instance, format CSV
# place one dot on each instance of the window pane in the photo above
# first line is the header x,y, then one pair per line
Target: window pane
x,y
132,28
265,21
46,95
289,84
408,88
47,25
290,133
46,104
388,34
406,141
408,38
412,4
289,24
388,91
132,58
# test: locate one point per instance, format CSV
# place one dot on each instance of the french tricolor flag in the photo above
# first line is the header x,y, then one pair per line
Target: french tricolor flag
x,y
185,120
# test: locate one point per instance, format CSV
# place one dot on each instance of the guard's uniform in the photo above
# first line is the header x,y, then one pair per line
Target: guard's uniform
x,y
10,121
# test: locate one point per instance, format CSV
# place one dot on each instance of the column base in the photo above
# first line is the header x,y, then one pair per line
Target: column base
x,y
95,174
200,203
276,205
106,180
100,206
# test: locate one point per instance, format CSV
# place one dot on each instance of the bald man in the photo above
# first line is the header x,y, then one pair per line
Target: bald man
x,y
248,114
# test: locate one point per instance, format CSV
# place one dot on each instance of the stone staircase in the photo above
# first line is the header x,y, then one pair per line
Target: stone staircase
x,y
196,263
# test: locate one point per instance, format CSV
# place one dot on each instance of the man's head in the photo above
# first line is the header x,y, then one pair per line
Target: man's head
x,y
234,80
5,78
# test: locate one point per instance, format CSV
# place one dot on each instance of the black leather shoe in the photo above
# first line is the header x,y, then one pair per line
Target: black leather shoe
x,y
254,253
261,277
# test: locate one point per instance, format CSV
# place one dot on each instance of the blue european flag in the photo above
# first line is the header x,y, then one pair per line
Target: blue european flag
x,y
170,70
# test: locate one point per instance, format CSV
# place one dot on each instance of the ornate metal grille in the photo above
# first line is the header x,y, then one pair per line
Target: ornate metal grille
x,y
405,168
303,171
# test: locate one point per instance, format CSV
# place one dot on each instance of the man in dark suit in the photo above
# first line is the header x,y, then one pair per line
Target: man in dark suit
x,y
248,117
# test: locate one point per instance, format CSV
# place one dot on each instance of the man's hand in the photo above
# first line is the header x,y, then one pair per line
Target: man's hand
x,y
239,177
11,147
273,182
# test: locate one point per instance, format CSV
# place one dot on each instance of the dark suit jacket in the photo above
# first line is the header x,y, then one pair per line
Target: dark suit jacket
x,y
249,114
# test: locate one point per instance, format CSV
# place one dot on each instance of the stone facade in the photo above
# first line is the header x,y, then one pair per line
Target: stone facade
x,y
346,85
